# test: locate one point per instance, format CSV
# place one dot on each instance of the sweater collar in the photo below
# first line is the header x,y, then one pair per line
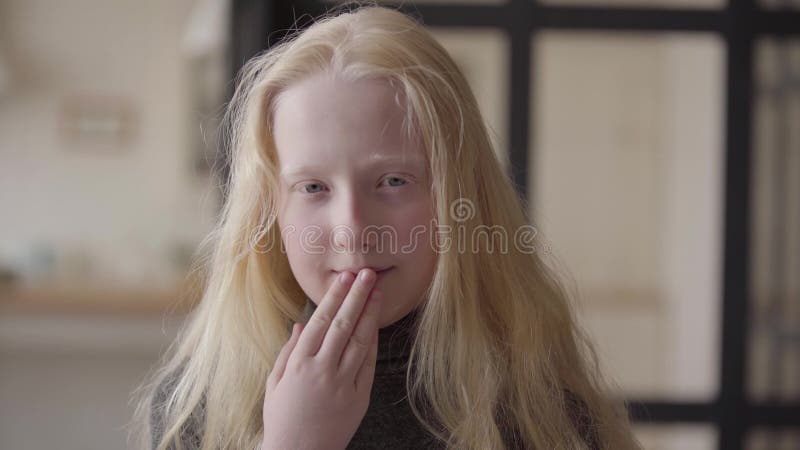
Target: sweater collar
x,y
394,340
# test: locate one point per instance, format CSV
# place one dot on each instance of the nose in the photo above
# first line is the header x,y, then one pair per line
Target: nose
x,y
352,217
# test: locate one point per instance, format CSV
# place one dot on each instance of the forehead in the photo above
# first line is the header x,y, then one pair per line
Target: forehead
x,y
323,120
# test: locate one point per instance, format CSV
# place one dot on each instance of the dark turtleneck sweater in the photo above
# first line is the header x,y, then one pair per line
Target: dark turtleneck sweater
x,y
389,422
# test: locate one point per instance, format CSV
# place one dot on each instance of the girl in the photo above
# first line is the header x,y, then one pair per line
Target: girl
x,y
357,133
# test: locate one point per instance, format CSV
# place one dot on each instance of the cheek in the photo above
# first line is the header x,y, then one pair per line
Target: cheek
x,y
416,253
299,227
303,246
414,231
298,256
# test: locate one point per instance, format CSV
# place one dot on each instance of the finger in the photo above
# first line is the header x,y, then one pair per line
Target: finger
x,y
366,374
280,362
361,340
319,322
341,329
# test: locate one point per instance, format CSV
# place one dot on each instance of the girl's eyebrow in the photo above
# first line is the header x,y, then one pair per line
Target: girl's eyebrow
x,y
375,160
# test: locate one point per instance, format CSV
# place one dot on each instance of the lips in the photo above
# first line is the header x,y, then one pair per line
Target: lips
x,y
380,272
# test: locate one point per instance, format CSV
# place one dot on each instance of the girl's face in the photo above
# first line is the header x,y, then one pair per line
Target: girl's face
x,y
354,192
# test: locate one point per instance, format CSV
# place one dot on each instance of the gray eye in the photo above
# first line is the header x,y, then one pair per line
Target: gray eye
x,y
312,185
391,179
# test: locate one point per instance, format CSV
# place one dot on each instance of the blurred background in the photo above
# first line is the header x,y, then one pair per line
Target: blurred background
x,y
656,141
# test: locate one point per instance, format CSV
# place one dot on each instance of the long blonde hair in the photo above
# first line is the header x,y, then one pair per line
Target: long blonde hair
x,y
497,346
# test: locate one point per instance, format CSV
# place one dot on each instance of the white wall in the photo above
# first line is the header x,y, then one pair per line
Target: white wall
x,y
124,206
66,379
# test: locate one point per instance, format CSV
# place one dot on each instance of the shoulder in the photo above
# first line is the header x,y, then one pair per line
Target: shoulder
x,y
191,432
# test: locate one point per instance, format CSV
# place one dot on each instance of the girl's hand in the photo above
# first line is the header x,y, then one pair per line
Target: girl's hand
x,y
319,389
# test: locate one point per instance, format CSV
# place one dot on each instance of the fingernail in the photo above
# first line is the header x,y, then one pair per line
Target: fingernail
x,y
364,274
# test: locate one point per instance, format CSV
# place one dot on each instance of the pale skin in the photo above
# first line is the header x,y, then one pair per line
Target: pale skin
x,y
325,370
346,167
344,163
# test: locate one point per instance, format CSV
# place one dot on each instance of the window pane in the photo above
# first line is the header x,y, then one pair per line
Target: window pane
x,y
626,185
482,54
763,439
676,437
677,4
775,325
